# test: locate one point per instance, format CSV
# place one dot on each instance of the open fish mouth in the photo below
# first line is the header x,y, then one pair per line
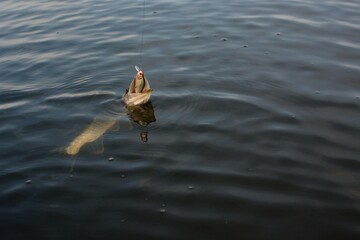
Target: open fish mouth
x,y
133,99
139,91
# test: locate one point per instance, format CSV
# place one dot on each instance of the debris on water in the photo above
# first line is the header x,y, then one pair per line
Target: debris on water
x,y
224,39
28,181
215,35
278,34
190,187
266,52
317,92
57,32
245,46
111,159
154,12
197,36
162,211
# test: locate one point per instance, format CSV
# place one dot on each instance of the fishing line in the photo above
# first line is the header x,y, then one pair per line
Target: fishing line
x,y
142,34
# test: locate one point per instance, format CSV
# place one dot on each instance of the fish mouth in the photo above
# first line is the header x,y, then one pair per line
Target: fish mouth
x,y
147,90
134,99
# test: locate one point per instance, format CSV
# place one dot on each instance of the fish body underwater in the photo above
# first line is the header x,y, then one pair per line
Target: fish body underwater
x,y
136,97
94,131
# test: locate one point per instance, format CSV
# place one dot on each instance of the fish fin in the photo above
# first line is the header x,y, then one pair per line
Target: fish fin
x,y
137,68
59,150
115,127
96,147
73,162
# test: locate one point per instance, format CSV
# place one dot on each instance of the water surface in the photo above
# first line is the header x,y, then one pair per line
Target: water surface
x,y
257,131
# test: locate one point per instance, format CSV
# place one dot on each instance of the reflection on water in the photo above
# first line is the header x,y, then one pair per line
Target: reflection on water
x,y
109,119
142,115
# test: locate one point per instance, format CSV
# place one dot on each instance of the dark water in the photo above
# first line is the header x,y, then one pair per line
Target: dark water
x,y
257,131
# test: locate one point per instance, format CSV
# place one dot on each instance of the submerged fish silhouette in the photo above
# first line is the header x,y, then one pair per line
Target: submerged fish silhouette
x,y
93,132
140,114
139,91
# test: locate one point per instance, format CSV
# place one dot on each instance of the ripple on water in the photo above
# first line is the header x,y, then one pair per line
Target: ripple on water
x,y
257,123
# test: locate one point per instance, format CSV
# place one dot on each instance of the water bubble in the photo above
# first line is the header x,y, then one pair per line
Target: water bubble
x,y
111,159
122,175
162,210
28,181
317,92
245,46
190,187
163,205
122,220
278,34
224,39
154,12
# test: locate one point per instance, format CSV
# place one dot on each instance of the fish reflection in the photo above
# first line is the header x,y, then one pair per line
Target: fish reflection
x,y
141,114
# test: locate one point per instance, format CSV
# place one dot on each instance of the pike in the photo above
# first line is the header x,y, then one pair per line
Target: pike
x,y
137,95
93,132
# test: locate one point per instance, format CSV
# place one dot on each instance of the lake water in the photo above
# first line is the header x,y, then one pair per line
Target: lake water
x,y
253,131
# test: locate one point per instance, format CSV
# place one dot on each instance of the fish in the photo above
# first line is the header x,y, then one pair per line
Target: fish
x,y
92,133
139,91
138,107
109,119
